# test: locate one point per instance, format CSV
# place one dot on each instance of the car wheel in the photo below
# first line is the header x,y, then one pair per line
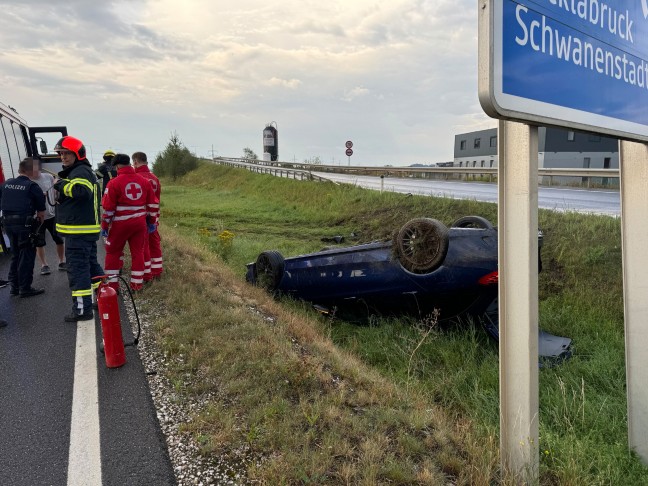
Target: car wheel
x,y
269,270
422,245
472,222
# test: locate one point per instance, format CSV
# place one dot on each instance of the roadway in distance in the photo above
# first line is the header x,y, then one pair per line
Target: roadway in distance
x,y
593,201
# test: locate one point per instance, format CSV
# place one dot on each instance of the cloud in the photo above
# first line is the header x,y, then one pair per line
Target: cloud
x,y
353,93
399,72
285,83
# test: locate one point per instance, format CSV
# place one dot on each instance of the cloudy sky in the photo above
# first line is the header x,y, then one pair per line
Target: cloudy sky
x,y
397,77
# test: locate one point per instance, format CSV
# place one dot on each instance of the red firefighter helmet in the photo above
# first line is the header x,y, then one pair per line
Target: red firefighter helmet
x,y
73,145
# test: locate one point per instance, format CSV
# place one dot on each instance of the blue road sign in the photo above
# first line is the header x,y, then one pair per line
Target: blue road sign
x,y
573,63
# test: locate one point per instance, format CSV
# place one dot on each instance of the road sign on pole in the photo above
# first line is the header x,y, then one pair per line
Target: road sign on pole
x,y
348,151
581,65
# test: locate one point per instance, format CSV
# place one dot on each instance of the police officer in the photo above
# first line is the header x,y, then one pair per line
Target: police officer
x,y
77,220
20,200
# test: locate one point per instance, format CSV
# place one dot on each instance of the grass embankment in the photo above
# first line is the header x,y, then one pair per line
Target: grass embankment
x,y
393,401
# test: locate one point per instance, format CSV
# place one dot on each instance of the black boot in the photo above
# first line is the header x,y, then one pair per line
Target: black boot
x,y
75,317
30,292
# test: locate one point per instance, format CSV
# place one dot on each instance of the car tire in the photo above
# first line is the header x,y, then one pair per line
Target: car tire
x,y
421,245
269,270
473,222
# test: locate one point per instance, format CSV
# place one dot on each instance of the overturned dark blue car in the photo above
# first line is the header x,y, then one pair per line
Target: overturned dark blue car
x,y
426,266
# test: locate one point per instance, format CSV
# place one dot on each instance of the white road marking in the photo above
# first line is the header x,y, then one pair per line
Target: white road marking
x,y
84,463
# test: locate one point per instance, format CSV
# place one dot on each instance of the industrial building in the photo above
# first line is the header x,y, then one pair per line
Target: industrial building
x,y
557,148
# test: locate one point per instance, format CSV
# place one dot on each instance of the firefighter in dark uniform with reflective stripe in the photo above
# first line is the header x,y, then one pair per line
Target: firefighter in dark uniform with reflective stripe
x,y
106,170
20,200
77,220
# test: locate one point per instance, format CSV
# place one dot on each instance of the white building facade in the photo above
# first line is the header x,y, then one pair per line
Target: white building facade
x,y
557,148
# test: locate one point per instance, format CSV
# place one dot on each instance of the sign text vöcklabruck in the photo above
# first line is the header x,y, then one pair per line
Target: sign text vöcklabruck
x,y
599,14
551,40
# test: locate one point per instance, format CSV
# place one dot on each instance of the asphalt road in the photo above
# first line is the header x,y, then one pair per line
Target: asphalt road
x,y
38,387
595,201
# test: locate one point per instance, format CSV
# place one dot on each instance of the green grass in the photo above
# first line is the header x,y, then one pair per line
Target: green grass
x,y
583,423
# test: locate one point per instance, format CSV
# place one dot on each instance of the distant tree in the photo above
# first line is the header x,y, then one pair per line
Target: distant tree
x,y
175,160
313,160
248,153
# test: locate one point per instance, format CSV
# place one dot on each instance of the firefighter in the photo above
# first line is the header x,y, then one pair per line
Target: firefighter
x,y
20,200
129,212
152,250
78,221
106,170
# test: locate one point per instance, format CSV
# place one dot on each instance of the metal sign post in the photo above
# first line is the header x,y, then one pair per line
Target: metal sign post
x,y
633,171
518,298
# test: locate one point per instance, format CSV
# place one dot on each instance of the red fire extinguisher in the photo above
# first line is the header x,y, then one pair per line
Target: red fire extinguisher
x,y
111,326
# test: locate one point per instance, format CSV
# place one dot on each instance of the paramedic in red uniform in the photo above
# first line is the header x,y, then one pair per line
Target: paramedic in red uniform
x,y
152,250
130,210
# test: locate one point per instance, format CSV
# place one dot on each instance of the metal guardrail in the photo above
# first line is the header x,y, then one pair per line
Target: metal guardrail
x,y
587,175
275,170
303,171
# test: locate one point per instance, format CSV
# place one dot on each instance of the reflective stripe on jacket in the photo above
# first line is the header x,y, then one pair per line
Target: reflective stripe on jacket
x,y
79,200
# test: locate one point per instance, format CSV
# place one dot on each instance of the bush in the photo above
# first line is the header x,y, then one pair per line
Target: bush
x,y
249,154
175,161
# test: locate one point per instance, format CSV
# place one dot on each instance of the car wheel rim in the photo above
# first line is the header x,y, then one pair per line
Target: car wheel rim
x,y
422,245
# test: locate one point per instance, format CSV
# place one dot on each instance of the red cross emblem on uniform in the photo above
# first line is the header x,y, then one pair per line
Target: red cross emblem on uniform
x,y
154,184
133,191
